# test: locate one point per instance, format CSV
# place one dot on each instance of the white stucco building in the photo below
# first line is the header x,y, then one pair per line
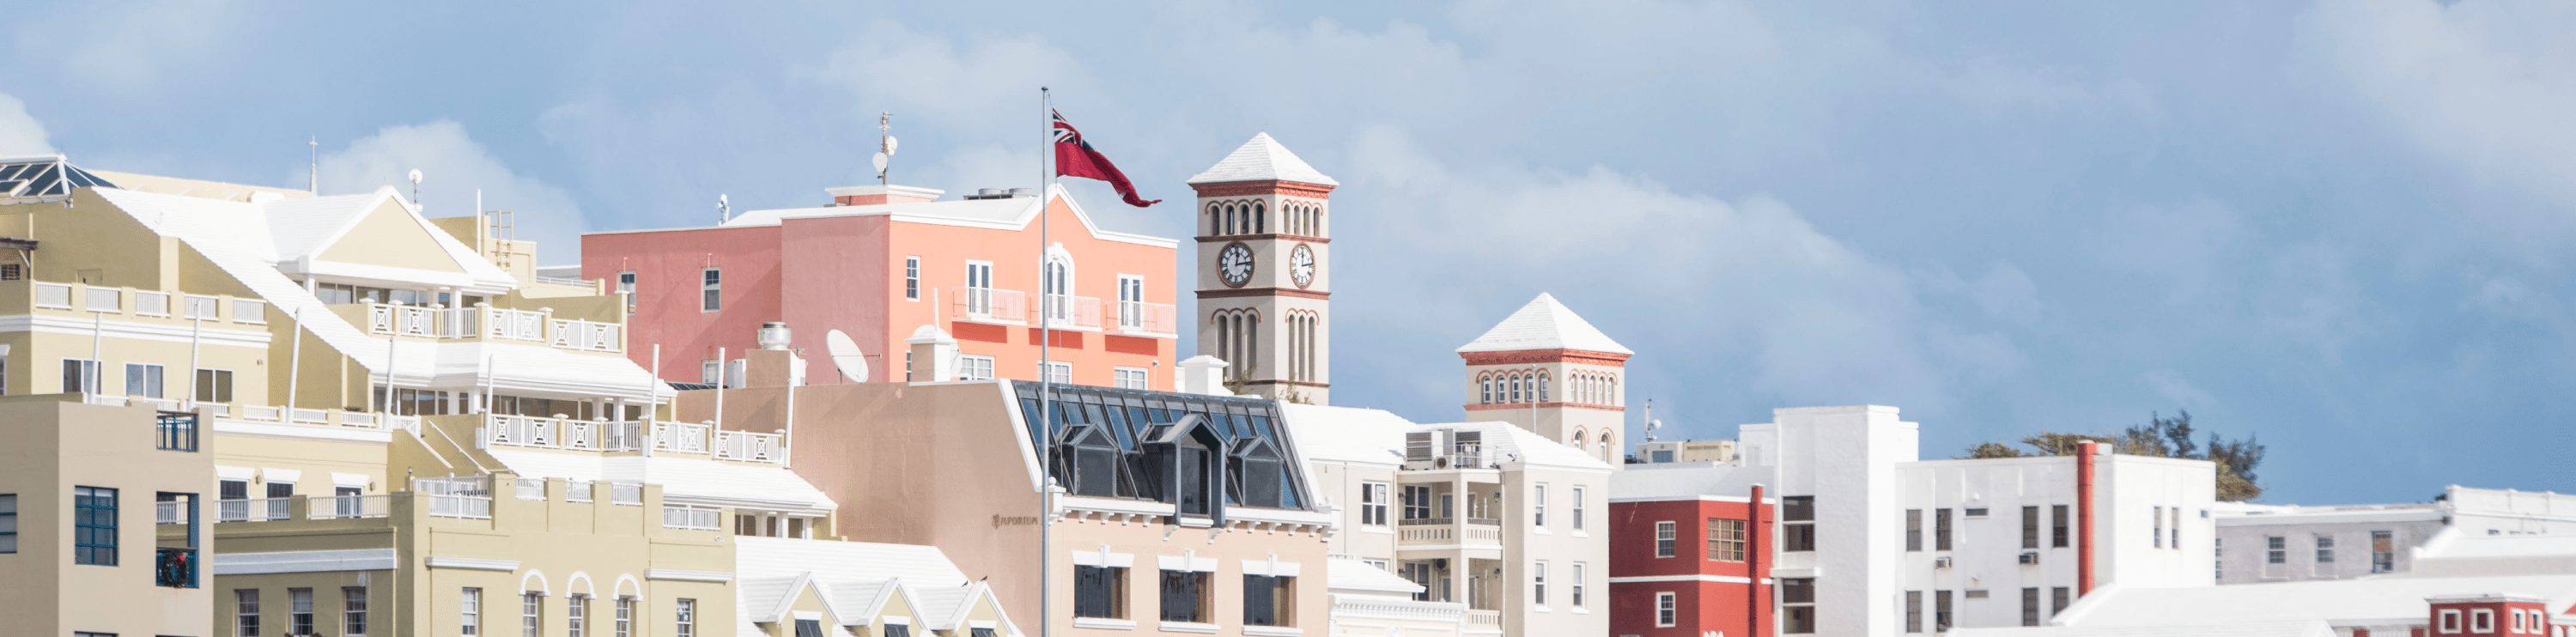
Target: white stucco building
x,y
2266,543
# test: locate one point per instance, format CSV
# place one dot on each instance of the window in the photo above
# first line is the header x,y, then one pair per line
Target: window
x,y
1578,507
2383,551
2517,620
1538,584
1129,377
299,611
1940,529
1059,372
1486,390
94,526
2058,598
1185,596
1131,301
1798,537
8,523
2159,518
625,617
80,376
912,278
710,369
1914,611
2325,548
143,380
2174,539
1538,506
809,628
2450,621
353,610
1913,529
685,616
214,385
1940,611
626,286
1417,502
1725,540
2030,607
1100,591
1373,503
469,611
2057,526
711,290
246,612
1664,610
1664,539
2482,620
577,615
2030,527
979,288
532,607
898,630
2276,549
1266,600
974,367
11,272
1798,605
1578,585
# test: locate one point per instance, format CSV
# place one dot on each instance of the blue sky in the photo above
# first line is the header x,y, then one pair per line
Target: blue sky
x,y
2342,226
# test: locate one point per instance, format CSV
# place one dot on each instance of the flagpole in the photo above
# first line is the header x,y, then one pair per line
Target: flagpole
x,y
1046,378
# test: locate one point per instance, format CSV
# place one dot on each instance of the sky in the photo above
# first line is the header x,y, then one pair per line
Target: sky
x,y
2343,228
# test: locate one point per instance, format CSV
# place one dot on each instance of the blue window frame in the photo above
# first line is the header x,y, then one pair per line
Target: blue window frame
x,y
8,523
94,526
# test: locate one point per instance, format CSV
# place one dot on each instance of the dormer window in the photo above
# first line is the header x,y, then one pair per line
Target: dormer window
x,y
1258,473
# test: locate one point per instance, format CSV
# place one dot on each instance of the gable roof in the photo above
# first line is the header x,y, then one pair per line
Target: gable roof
x,y
1544,324
1262,159
1354,576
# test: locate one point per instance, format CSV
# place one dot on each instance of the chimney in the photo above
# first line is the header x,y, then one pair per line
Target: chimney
x,y
1204,374
934,355
881,195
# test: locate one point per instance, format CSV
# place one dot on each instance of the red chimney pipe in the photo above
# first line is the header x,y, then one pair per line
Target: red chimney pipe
x,y
1755,616
2084,517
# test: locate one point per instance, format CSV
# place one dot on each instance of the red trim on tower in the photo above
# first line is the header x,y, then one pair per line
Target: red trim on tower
x,y
1221,294
1526,356
1242,188
2084,517
1271,235
1545,405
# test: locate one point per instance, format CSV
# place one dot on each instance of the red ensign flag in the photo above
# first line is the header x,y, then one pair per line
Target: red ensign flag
x,y
1076,158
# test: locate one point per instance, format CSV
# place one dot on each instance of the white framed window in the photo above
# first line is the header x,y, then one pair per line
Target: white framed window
x,y
2325,548
709,369
98,299
912,278
152,303
1538,583
1578,508
1059,372
1373,503
626,286
711,289
532,617
1665,608
214,386
353,610
200,307
2481,620
1130,377
2450,621
250,311
1664,535
907,366
246,612
979,288
81,376
143,379
1576,587
971,367
685,616
1538,506
1131,301
469,612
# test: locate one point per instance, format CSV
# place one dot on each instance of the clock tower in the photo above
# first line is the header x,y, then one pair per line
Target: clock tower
x,y
1264,273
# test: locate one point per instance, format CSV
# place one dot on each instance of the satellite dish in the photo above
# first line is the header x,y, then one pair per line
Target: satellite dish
x,y
880,161
846,355
415,176
889,144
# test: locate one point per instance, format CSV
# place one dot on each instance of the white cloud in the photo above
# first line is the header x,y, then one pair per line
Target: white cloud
x,y
2175,388
20,133
453,166
2484,85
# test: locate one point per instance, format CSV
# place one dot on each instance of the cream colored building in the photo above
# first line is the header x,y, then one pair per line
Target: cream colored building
x,y
356,420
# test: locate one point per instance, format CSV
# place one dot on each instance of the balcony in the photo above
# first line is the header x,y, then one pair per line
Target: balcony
x,y
347,507
1152,320
254,510
484,321
749,447
989,306
1485,619
1435,532
1063,312
466,497
557,433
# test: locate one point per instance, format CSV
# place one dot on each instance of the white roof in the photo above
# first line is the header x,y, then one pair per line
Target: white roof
x,y
2467,546
1544,324
1354,576
854,577
2309,628
997,214
1672,481
683,480
2382,601
1346,434
1262,159
1510,443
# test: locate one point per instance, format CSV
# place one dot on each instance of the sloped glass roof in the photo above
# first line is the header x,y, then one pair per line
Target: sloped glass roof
x,y
44,177
1127,413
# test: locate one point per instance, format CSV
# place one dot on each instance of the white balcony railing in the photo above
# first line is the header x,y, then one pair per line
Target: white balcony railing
x,y
1485,619
343,507
253,510
516,325
744,445
466,497
680,437
988,305
693,518
586,335
1070,312
1138,318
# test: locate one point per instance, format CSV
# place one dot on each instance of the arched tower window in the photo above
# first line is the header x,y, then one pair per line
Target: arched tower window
x,y
1608,449
1260,218
1485,390
1216,222
1542,388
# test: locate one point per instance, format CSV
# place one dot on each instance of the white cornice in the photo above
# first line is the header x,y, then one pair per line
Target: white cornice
x,y
302,562
318,433
678,575
227,337
472,564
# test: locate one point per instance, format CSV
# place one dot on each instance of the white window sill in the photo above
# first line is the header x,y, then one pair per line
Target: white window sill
x,y
1582,533
1541,530
1188,627
1377,529
1273,631
1104,623
1579,610
1540,609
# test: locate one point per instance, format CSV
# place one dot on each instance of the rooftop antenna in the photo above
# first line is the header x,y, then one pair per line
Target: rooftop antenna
x,y
885,146
1651,423
313,167
415,189
724,209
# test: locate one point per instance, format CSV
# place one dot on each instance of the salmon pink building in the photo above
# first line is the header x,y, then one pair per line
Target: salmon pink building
x,y
881,262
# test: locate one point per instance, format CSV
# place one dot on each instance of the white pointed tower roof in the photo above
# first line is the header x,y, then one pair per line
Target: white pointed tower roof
x,y
1262,159
1544,324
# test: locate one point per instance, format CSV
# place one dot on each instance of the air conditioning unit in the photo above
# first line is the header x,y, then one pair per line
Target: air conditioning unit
x,y
2030,557
1941,562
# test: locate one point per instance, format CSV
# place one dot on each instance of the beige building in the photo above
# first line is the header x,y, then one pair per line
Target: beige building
x,y
356,420
1547,370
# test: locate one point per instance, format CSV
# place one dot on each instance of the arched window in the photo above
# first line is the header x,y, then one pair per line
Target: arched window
x,y
1610,390
1607,449
1215,223
1516,388
1260,220
1542,388
1485,390
1581,442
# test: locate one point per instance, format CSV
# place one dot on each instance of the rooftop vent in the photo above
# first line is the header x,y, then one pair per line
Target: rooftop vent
x,y
1002,193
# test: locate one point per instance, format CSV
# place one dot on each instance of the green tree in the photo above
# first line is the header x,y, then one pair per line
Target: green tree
x,y
1993,450
2161,437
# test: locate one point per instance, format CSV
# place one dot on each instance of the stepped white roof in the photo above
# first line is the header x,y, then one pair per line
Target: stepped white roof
x,y
1544,324
2309,628
2381,601
683,480
1262,159
1355,435
1354,576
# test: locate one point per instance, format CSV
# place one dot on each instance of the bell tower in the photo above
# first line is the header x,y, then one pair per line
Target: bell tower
x,y
1265,274
1551,372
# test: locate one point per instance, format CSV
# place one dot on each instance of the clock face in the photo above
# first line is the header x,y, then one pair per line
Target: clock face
x,y
1234,265
1301,265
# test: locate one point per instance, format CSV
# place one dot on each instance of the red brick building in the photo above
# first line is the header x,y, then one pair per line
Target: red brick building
x,y
1686,542
2490,616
